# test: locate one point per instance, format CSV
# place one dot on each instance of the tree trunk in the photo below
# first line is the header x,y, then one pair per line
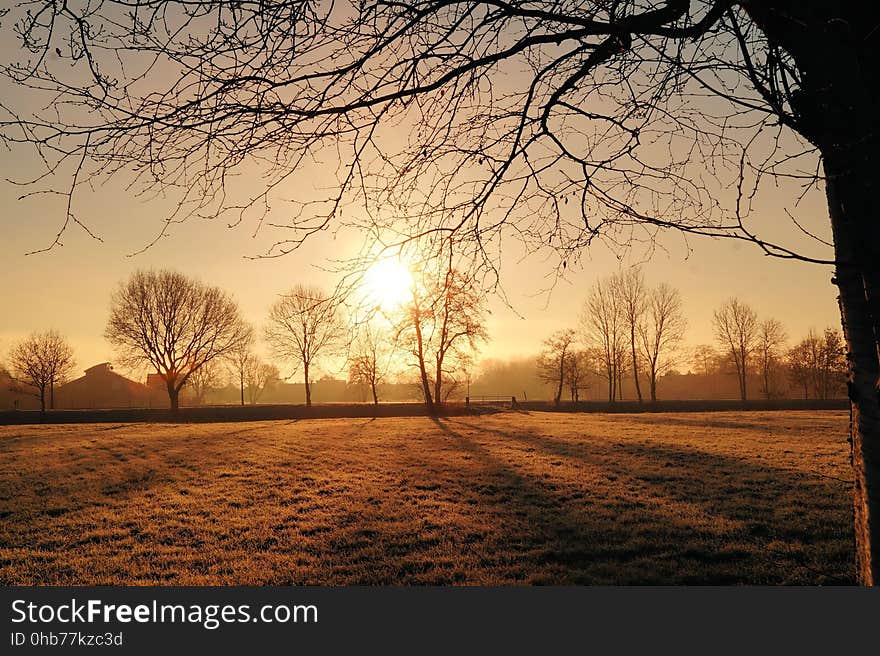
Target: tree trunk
x,y
423,372
375,395
741,378
43,399
835,108
632,342
173,397
857,261
241,385
308,385
438,382
558,396
653,386
52,395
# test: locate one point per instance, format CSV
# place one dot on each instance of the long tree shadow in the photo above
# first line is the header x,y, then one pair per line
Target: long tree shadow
x,y
783,511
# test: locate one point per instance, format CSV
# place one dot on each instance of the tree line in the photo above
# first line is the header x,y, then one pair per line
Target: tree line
x,y
628,330
191,334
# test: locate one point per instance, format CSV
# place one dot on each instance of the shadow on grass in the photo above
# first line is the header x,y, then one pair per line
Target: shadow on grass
x,y
770,522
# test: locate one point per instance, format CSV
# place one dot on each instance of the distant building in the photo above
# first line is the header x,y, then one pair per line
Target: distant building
x,y
14,396
101,387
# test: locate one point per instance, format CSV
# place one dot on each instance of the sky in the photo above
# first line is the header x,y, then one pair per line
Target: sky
x,y
69,287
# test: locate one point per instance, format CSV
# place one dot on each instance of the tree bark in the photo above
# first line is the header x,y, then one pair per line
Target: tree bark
x,y
308,385
241,385
632,342
423,372
438,381
558,397
173,397
856,262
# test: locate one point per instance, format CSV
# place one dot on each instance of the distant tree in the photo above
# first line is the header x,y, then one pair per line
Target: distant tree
x,y
440,327
304,325
769,350
553,361
736,329
603,326
817,364
661,332
705,359
576,372
41,362
632,299
204,379
173,324
259,376
241,358
833,361
370,359
800,362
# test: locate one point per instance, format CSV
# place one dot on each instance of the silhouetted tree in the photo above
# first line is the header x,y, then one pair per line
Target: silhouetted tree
x,y
553,360
577,371
629,286
440,326
611,94
660,332
736,329
206,378
602,324
259,376
41,362
172,324
768,350
817,364
304,325
705,359
241,359
369,362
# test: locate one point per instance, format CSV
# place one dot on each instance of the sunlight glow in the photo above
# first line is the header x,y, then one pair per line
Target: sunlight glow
x,y
388,284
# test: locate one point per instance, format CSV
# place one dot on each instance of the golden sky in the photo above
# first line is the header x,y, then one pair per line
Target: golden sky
x,y
69,287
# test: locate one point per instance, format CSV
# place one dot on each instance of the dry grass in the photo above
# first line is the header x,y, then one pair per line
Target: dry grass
x,y
509,498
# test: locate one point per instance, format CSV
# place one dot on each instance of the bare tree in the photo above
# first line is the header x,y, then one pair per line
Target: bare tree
x,y
173,324
629,285
817,364
771,340
577,371
184,93
705,359
304,325
240,359
441,326
736,329
259,376
370,360
661,332
554,360
603,326
206,378
41,362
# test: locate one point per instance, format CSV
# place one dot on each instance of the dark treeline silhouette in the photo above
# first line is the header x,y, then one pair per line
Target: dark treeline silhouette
x,y
629,340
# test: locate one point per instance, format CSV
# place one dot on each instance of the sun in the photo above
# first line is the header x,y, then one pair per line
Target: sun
x,y
388,284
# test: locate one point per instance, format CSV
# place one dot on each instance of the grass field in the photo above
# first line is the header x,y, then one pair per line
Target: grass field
x,y
537,498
